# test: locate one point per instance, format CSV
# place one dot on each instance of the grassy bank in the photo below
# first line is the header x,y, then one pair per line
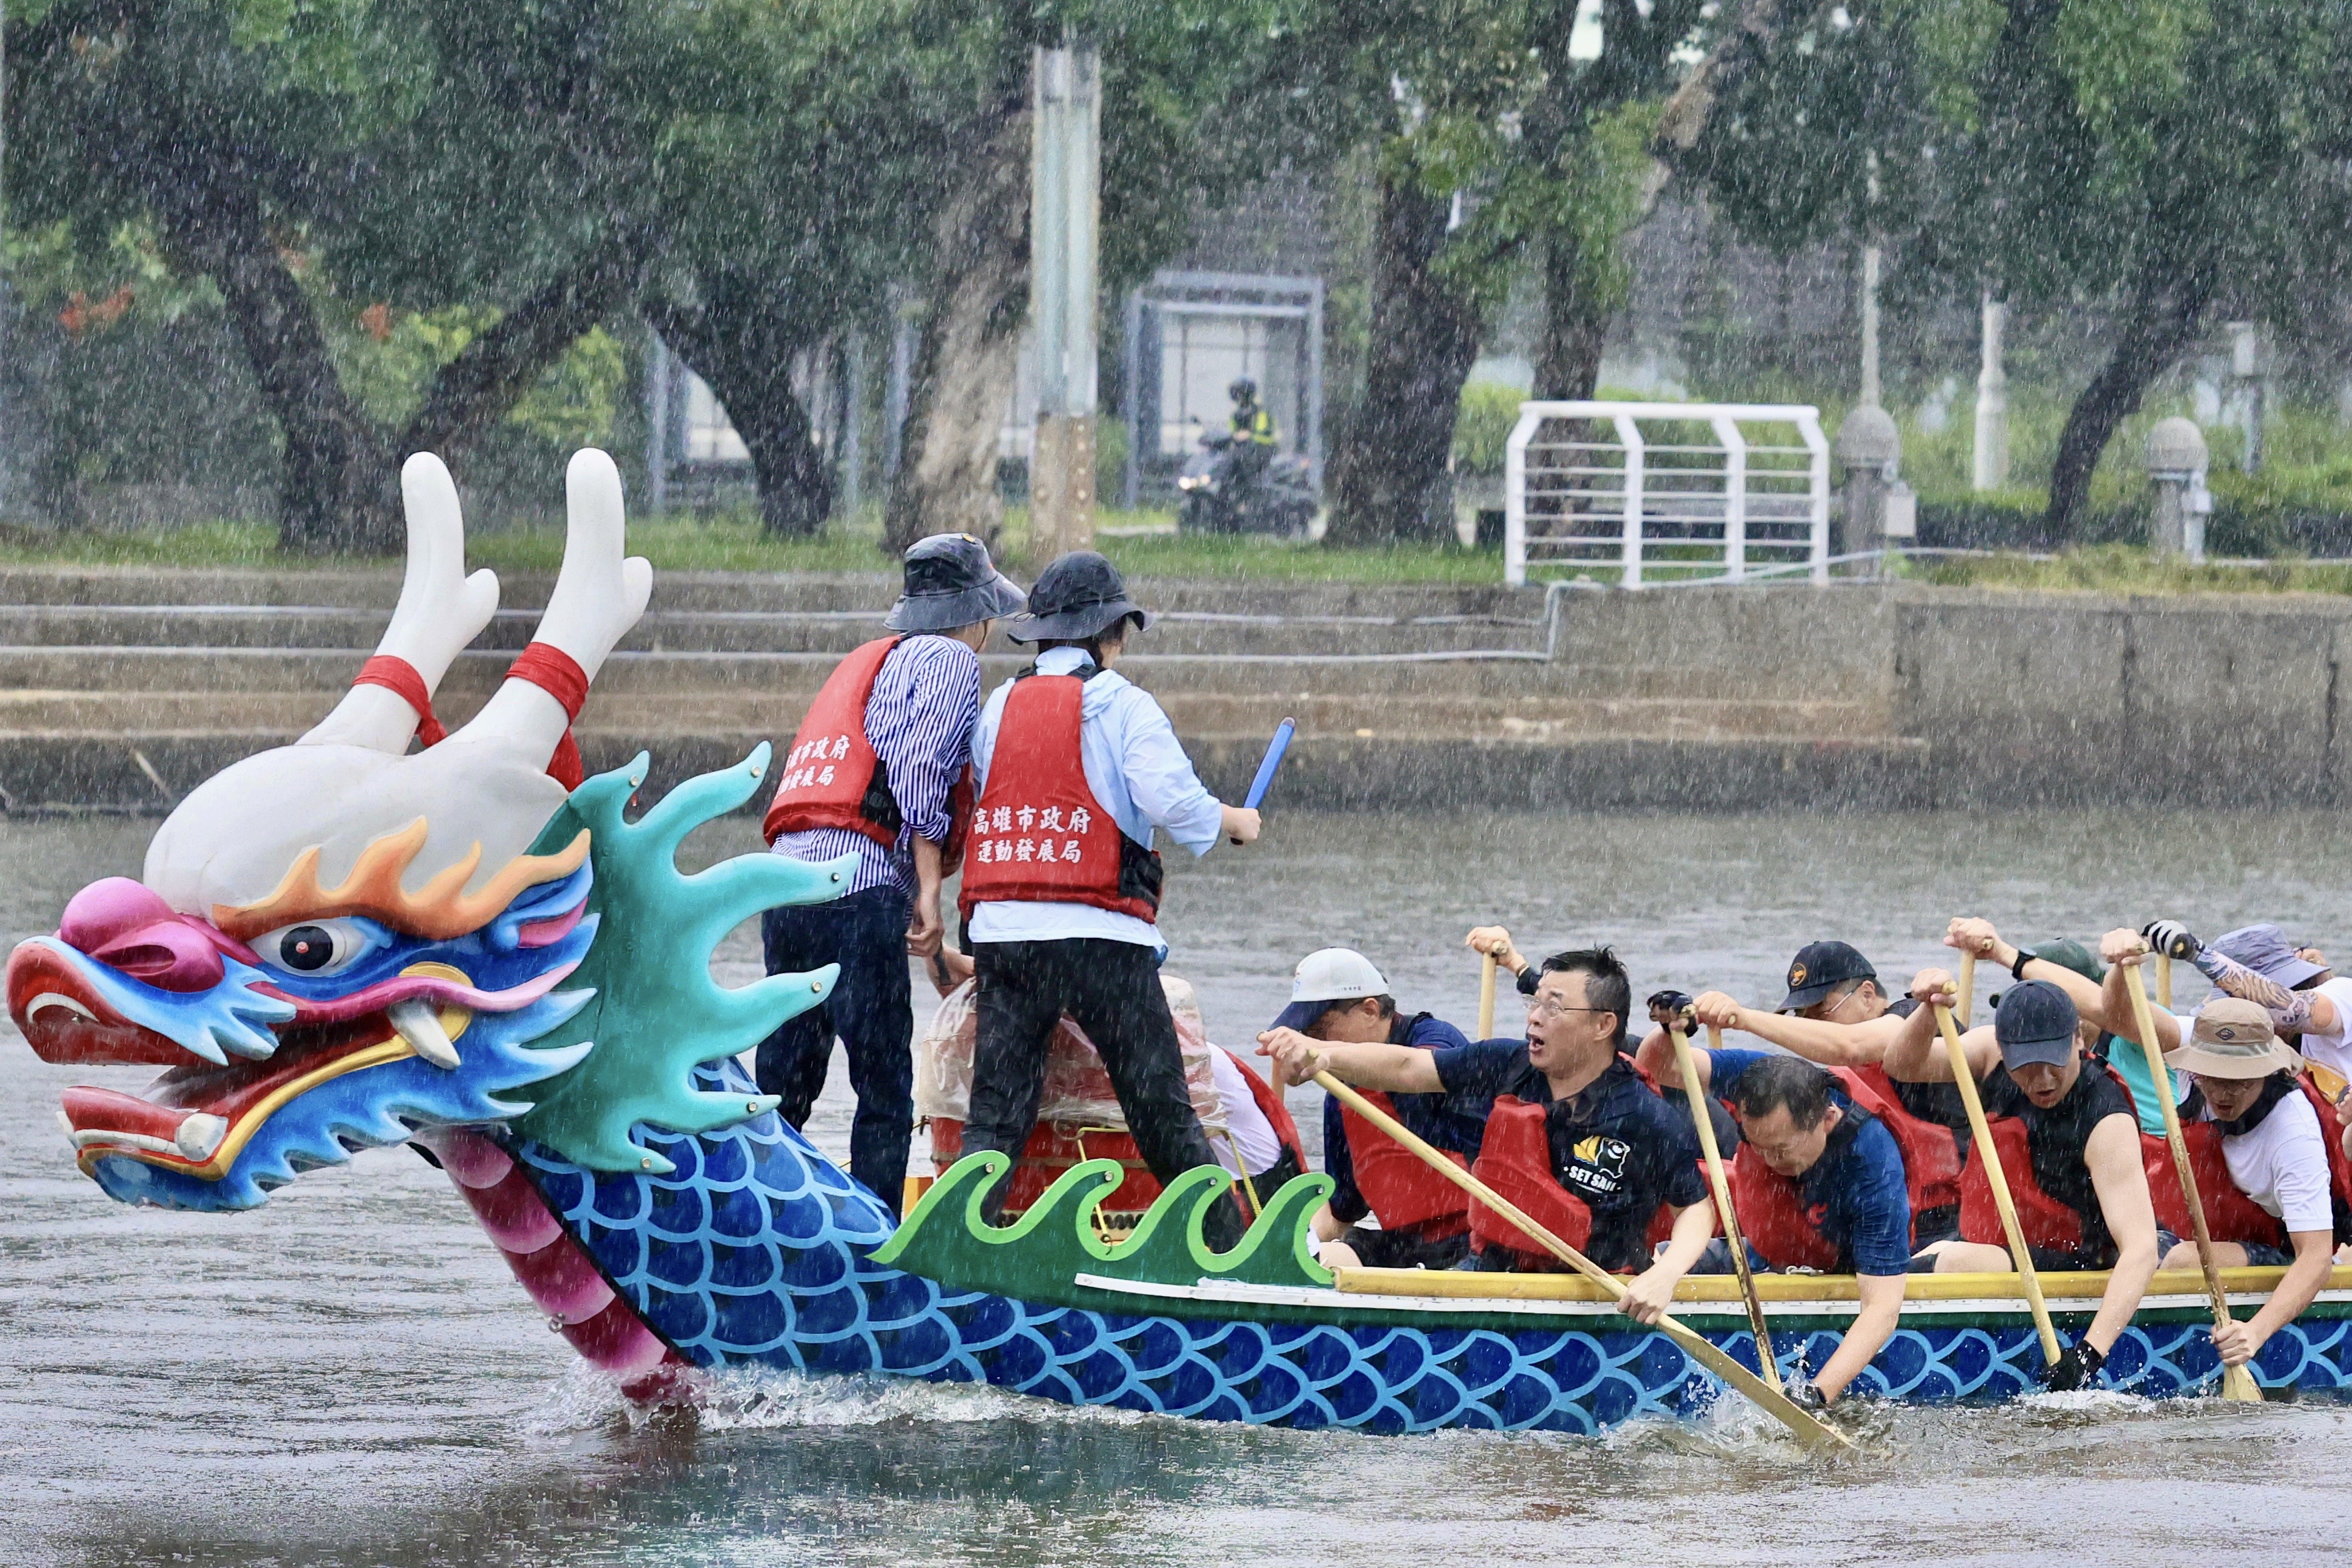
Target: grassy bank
x,y
2123,569
738,545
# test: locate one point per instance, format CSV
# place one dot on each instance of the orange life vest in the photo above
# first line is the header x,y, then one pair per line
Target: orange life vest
x,y
1931,1154
1038,834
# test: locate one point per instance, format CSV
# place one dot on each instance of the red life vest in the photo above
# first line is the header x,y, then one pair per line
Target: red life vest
x,y
831,777
1515,1159
1039,836
2229,1214
1931,1154
1270,1106
2045,1222
1772,1217
1399,1184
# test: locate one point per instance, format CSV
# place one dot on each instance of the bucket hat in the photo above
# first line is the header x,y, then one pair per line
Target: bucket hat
x,y
2265,950
950,582
1074,598
2232,1039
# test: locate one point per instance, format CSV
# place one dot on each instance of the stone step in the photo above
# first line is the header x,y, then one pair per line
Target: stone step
x,y
778,715
717,631
1501,673
147,773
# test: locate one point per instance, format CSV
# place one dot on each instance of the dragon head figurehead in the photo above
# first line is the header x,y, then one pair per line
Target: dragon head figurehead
x,y
339,943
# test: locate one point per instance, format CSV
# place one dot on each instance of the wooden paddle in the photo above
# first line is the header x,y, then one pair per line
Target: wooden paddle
x,y
1486,998
1686,1063
1808,1430
1968,988
2164,979
2237,1382
1966,1082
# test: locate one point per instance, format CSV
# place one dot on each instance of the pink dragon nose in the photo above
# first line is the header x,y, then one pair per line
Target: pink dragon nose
x,y
127,926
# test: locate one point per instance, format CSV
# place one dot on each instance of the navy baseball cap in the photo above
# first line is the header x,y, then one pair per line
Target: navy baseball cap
x,y
2035,1023
1819,968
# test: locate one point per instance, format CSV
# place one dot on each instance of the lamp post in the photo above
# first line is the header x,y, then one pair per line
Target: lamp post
x,y
1064,213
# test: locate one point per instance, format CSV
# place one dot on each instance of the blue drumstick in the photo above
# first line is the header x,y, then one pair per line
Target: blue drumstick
x,y
1274,750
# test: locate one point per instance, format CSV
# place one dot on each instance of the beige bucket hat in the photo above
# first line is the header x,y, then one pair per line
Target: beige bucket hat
x,y
2232,1039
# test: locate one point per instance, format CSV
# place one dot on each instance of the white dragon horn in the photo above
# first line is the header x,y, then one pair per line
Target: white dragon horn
x,y
598,598
440,611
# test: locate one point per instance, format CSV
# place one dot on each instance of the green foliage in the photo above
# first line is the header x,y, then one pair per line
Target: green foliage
x,y
1489,410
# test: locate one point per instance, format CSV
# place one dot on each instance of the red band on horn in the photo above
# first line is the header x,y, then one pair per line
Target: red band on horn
x,y
559,675
399,676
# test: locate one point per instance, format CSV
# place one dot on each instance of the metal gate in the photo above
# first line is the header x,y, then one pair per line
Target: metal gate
x,y
1650,493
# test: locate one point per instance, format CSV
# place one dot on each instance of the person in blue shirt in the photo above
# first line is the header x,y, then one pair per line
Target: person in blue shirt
x,y
1615,1143
1077,768
1830,1193
1337,994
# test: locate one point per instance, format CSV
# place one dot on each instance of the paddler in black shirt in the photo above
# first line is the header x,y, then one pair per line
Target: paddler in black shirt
x,y
2082,1134
1615,1143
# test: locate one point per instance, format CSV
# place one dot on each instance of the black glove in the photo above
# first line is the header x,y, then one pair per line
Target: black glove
x,y
2172,940
1808,1397
1675,1003
2078,1368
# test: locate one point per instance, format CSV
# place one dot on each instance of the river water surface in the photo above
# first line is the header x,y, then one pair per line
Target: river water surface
x,y
349,1376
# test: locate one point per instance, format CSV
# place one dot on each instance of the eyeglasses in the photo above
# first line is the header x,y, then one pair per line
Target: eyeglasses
x,y
1545,1007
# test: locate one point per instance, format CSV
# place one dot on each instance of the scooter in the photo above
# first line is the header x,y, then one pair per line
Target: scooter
x,y
1280,500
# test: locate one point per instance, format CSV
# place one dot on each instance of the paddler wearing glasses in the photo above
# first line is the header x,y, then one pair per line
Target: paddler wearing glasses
x,y
2280,1197
1077,768
2083,1175
1614,1143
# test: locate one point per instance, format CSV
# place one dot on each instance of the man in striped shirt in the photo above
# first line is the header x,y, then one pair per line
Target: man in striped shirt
x,y
873,772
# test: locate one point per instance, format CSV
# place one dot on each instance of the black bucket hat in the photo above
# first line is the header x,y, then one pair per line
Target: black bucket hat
x,y
950,583
1074,598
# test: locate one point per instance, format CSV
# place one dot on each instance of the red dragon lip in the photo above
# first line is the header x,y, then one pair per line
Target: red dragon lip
x,y
66,1021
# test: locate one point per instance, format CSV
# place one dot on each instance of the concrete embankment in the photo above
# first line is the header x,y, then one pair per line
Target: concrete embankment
x,y
123,689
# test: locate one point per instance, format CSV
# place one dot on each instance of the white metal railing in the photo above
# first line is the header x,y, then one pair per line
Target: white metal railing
x,y
1667,492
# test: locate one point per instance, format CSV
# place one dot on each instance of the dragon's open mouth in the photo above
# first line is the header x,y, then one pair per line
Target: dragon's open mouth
x,y
196,1120
196,1117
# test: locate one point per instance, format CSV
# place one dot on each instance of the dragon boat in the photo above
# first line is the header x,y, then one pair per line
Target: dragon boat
x,y
342,944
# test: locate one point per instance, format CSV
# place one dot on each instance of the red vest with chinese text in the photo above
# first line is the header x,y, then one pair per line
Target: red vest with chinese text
x,y
1038,834
831,776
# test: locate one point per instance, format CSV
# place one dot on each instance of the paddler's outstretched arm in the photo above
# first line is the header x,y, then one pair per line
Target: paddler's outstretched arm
x,y
1393,1070
2113,1153
1916,1053
1829,1045
1881,1314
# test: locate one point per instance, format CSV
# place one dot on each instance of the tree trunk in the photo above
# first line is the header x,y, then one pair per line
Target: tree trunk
x,y
2159,328
968,352
336,489
743,340
1390,477
1575,326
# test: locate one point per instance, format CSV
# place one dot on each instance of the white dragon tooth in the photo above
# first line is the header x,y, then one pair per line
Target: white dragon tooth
x,y
419,1023
199,1135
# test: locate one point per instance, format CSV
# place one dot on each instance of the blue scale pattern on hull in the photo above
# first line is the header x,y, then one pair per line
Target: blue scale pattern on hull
x,y
754,1252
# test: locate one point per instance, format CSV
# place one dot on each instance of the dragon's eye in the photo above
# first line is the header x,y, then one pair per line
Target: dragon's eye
x,y
315,947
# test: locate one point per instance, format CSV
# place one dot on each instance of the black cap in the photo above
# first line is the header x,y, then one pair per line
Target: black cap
x,y
2035,1023
950,582
1819,968
1078,595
